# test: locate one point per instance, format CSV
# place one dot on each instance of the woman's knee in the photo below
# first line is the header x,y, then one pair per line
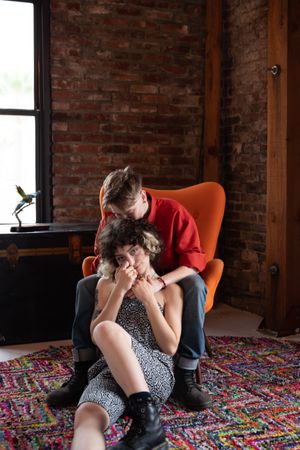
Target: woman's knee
x,y
89,413
108,333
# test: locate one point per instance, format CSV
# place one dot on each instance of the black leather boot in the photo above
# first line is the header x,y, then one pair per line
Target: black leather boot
x,y
188,392
146,432
70,391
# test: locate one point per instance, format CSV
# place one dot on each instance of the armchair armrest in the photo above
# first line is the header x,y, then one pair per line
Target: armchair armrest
x,y
212,275
86,265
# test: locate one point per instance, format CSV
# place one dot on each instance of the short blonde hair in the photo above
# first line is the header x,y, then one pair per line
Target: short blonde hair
x,y
121,188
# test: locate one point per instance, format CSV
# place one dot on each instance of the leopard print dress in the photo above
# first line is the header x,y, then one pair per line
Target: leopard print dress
x,y
156,365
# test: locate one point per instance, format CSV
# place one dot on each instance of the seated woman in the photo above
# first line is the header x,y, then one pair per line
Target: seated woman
x,y
137,332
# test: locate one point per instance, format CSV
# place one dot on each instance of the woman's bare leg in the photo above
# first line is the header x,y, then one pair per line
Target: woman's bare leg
x,y
115,344
90,422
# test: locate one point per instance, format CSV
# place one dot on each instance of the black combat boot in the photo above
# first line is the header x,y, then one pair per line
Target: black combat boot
x,y
70,391
188,392
146,432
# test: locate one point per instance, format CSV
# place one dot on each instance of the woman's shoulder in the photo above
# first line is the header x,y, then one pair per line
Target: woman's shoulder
x,y
172,288
103,290
168,294
171,292
105,283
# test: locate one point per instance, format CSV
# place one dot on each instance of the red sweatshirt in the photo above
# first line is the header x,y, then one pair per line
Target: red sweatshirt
x,y
178,231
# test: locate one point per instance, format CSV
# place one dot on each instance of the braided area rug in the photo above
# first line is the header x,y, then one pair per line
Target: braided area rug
x,y
254,384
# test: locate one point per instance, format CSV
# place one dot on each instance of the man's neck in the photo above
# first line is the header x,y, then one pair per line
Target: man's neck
x,y
147,208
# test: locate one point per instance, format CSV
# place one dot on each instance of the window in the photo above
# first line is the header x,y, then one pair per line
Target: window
x,y
24,108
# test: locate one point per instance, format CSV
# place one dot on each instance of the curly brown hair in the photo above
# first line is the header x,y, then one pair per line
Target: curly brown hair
x,y
121,232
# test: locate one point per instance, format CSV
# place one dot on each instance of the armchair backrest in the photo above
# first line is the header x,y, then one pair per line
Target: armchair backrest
x,y
206,203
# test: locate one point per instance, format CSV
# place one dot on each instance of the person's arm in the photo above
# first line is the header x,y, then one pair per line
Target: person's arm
x,y
166,328
182,247
110,295
107,303
172,277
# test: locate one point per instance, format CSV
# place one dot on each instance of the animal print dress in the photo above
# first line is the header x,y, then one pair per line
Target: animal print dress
x,y
156,365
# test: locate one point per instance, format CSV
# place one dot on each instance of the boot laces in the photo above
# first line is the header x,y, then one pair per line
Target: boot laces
x,y
190,382
137,427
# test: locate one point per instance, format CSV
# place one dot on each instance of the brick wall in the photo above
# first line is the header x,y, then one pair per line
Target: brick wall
x,y
244,139
127,88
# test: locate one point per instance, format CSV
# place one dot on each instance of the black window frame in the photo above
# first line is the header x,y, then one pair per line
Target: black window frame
x,y
41,111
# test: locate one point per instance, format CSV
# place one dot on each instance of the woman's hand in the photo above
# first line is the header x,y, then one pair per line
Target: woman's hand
x,y
143,291
125,276
156,284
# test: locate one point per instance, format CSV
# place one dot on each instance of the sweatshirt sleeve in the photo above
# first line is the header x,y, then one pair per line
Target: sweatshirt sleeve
x,y
187,243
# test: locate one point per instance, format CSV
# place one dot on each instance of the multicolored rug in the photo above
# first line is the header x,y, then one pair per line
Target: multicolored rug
x,y
254,384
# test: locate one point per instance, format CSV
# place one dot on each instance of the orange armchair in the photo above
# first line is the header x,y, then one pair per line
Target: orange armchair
x,y
206,203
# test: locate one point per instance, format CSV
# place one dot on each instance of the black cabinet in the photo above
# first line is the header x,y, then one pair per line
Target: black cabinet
x,y
39,271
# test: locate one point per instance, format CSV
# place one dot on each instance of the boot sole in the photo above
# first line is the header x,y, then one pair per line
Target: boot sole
x,y
163,446
192,406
